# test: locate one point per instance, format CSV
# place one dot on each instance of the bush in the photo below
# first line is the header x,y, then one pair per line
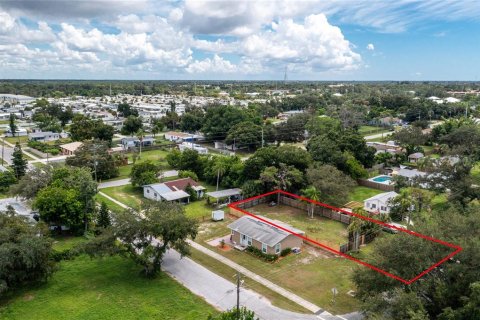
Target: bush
x,y
44,147
285,252
187,174
258,253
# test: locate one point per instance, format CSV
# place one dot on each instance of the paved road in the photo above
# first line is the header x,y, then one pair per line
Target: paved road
x,y
123,182
221,293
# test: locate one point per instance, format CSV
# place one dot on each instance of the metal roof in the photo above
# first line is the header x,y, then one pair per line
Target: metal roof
x,y
174,195
262,231
224,193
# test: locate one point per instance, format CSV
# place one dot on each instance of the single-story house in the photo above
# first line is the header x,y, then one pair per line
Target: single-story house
x,y
172,190
249,231
19,132
193,146
44,136
409,174
130,142
389,147
380,203
182,136
70,148
414,157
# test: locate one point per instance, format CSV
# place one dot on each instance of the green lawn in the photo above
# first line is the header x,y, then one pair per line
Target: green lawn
x,y
369,130
226,272
126,194
310,274
110,204
66,243
361,193
326,231
108,288
156,156
13,140
199,209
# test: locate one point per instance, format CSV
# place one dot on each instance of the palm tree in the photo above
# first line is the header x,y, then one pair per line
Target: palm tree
x,y
220,166
140,134
313,194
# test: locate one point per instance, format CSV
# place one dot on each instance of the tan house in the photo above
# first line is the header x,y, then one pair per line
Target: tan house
x,y
249,231
70,148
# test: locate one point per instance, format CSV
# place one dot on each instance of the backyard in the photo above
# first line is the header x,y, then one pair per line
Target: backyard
x,y
326,231
311,274
107,288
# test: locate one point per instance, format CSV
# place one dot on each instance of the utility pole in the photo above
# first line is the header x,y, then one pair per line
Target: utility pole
x,y
239,283
3,148
95,161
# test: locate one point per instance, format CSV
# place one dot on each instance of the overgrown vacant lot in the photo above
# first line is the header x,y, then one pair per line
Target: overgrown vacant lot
x,y
109,288
326,231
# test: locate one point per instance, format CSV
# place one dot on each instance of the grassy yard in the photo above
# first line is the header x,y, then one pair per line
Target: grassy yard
x,y
108,288
126,194
310,274
199,210
13,140
369,130
326,231
156,156
110,204
226,272
361,193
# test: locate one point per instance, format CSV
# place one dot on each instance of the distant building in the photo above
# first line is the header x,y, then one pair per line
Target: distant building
x,y
70,148
172,190
20,132
380,203
44,136
414,157
182,136
192,146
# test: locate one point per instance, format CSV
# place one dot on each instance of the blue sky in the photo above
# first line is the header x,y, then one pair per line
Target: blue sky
x,y
242,40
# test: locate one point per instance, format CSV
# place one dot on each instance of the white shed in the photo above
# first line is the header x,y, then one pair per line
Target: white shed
x,y
218,215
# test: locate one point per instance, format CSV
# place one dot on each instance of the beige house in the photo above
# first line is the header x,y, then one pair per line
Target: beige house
x,y
249,231
70,148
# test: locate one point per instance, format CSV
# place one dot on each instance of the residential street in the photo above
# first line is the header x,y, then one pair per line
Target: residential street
x,y
221,293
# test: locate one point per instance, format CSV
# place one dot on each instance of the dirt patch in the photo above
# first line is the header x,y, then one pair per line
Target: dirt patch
x,y
28,297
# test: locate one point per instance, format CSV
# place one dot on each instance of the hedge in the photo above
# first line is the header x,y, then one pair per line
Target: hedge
x,y
258,253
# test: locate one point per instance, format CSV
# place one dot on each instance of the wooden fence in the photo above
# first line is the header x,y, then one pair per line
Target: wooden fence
x,y
375,185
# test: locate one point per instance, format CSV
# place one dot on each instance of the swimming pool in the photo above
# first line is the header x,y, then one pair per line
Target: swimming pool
x,y
382,179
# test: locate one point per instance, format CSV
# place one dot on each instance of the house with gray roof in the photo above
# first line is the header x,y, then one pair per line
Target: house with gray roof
x,y
380,203
173,190
249,231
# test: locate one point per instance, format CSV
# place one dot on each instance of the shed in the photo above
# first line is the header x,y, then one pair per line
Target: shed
x,y
231,194
218,215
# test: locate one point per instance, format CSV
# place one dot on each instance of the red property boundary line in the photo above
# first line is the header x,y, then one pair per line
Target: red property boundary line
x,y
386,273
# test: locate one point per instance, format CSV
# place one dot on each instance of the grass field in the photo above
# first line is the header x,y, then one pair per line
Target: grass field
x,y
310,274
156,156
369,130
361,193
108,288
110,204
13,140
226,272
326,231
126,194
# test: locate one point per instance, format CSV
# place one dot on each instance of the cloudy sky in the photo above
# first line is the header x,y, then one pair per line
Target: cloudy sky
x,y
313,40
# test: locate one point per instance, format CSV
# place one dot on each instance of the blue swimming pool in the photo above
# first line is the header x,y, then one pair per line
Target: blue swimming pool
x,y
382,179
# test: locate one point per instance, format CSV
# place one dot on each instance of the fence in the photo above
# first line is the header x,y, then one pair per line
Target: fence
x,y
375,185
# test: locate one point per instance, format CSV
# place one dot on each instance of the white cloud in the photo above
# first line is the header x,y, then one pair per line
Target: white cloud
x,y
370,47
7,22
217,65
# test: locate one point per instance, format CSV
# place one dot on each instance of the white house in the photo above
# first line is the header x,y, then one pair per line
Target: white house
x,y
190,145
182,136
172,190
379,203
20,132
44,136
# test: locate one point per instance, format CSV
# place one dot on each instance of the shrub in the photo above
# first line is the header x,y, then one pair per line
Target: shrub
x,y
285,252
258,253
